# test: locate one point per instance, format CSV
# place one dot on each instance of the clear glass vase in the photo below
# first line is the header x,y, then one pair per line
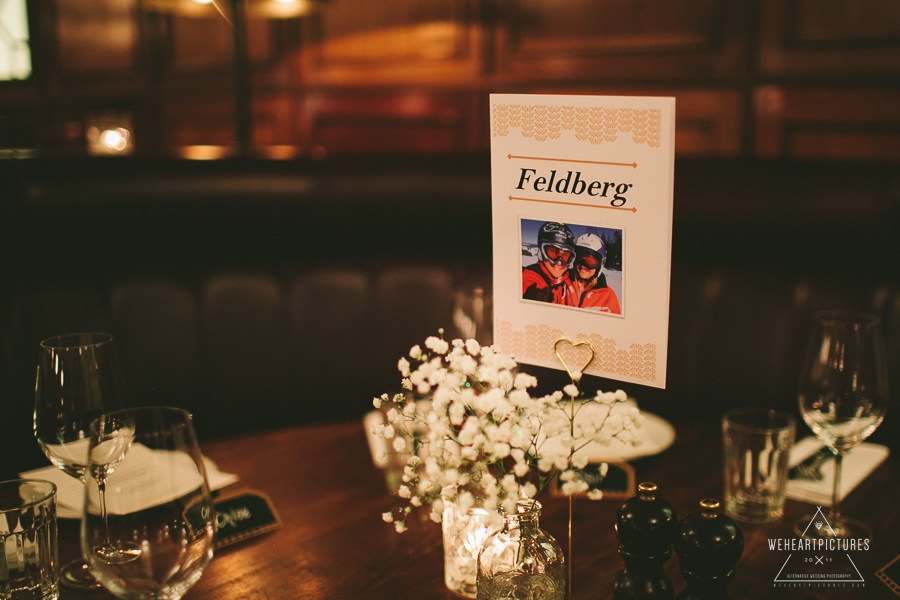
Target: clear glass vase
x,y
521,560
464,533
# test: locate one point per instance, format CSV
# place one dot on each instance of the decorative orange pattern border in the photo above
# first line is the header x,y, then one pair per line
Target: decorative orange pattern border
x,y
594,124
638,362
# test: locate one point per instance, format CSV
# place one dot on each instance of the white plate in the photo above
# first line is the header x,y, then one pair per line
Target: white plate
x,y
656,434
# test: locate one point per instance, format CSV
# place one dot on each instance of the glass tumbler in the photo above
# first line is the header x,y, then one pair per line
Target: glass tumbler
x,y
757,445
29,565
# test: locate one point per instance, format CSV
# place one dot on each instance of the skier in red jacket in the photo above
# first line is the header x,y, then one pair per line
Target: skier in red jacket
x,y
588,287
548,279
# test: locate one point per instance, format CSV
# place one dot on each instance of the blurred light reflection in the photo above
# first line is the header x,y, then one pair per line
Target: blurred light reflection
x,y
201,152
109,133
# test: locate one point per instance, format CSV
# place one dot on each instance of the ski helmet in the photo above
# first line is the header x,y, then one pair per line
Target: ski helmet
x,y
591,251
560,237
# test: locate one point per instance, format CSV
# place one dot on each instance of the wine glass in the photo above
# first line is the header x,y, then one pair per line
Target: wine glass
x,y
472,315
843,398
78,378
153,536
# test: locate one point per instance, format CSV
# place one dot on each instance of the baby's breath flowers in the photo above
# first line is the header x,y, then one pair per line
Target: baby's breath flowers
x,y
478,436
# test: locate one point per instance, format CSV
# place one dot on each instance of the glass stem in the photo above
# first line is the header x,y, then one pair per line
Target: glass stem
x,y
101,489
836,492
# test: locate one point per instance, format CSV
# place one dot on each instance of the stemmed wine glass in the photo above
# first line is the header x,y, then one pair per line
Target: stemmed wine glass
x,y
78,378
153,536
843,398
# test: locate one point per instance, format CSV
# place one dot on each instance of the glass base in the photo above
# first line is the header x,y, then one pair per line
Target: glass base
x,y
76,576
817,525
122,553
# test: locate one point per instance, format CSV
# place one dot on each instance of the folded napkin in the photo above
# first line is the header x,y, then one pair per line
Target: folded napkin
x,y
70,491
858,463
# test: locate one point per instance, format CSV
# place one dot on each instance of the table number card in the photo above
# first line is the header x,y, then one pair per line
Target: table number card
x,y
582,222
244,514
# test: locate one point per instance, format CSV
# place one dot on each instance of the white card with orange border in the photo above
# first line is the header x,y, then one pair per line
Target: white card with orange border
x,y
582,223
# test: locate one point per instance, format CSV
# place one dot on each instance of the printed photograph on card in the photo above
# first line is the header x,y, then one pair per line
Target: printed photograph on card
x,y
581,191
571,265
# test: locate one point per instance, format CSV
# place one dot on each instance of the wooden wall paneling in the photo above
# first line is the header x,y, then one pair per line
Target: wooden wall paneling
x,y
622,40
207,43
200,43
273,120
18,125
199,84
359,42
196,122
393,120
852,39
100,35
827,123
98,63
66,123
409,75
208,120
707,122
20,113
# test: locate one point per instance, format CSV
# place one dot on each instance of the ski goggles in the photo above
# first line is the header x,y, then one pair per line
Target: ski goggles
x,y
588,261
556,255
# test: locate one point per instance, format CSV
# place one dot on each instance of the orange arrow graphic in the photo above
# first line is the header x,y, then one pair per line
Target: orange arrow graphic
x,y
571,160
632,210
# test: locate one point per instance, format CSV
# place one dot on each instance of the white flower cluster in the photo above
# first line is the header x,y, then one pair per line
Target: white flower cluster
x,y
483,437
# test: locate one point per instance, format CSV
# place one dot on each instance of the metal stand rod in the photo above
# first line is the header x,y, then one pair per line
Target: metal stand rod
x,y
242,108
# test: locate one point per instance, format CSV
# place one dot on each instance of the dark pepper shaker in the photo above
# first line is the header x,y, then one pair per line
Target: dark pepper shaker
x,y
646,527
709,544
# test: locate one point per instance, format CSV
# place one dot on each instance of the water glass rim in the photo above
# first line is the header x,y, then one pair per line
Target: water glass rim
x,y
847,317
76,340
25,504
135,410
779,420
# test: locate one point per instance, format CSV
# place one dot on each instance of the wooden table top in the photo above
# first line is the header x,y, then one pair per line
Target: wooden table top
x,y
334,544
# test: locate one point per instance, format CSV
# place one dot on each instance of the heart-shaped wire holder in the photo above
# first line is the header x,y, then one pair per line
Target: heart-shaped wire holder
x,y
575,345
575,377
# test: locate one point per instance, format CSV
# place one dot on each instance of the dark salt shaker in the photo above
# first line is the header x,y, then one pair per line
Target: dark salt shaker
x,y
646,526
709,545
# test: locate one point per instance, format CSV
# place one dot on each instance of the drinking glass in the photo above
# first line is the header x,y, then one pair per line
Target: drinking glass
x,y
153,536
843,398
473,315
78,378
29,569
757,444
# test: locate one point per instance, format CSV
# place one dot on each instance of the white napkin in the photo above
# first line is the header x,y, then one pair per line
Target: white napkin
x,y
70,491
858,463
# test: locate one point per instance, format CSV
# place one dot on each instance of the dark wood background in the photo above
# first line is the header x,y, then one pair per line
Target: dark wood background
x,y
764,78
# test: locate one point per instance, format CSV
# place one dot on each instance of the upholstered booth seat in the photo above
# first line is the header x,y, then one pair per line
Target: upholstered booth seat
x,y
257,307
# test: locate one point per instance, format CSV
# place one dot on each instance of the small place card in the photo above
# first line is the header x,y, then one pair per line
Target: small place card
x,y
617,484
244,514
582,226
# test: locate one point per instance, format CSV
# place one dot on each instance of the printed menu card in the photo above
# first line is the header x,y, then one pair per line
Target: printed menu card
x,y
582,224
